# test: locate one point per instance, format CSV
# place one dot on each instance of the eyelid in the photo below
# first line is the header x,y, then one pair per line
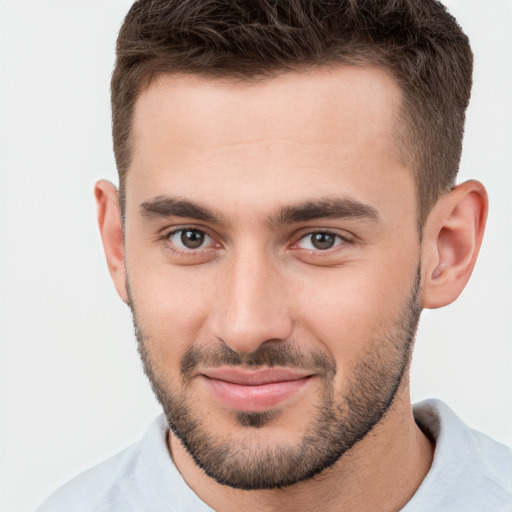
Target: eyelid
x,y
167,233
207,239
170,230
338,240
338,233
344,238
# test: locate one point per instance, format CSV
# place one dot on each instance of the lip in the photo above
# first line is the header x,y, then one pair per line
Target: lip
x,y
254,390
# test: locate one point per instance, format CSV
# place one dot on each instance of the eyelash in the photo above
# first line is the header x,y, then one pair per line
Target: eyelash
x,y
186,251
341,240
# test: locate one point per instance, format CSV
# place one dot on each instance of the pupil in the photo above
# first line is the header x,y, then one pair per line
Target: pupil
x,y
192,239
323,240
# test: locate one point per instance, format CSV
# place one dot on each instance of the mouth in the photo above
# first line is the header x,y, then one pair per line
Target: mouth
x,y
252,390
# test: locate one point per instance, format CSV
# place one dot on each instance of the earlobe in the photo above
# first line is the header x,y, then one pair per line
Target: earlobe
x,y
111,229
451,241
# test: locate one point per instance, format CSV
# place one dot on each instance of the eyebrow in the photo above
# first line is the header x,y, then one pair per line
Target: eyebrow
x,y
326,208
163,207
323,208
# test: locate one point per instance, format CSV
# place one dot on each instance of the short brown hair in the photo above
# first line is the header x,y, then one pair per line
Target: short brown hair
x,y
417,41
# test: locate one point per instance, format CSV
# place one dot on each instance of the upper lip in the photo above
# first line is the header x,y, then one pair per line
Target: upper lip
x,y
255,377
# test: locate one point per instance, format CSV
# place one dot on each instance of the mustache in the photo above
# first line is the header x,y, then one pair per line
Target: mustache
x,y
267,355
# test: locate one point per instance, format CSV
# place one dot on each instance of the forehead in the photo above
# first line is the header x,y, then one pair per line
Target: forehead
x,y
308,104
298,131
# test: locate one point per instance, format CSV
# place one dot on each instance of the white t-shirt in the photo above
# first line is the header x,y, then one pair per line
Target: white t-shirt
x,y
470,473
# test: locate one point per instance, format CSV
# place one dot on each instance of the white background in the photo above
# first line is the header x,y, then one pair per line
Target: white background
x,y
72,391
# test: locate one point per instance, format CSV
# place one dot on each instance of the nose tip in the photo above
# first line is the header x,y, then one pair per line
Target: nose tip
x,y
245,335
252,308
252,320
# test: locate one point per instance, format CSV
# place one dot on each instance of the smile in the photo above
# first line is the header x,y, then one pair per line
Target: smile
x,y
254,390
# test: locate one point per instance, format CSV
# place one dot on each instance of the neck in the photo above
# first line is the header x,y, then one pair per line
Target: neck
x,y
381,472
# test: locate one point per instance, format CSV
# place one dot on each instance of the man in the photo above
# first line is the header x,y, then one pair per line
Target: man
x,y
286,209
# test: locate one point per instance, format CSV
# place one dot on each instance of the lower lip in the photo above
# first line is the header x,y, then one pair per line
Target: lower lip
x,y
254,398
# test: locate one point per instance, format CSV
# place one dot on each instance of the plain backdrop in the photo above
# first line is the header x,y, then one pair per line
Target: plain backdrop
x,y
72,390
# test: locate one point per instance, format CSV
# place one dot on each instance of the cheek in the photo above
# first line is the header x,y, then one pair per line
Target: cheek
x,y
352,312
172,309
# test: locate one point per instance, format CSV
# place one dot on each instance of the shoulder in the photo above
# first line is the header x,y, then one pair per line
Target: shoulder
x,y
102,488
87,490
142,477
470,471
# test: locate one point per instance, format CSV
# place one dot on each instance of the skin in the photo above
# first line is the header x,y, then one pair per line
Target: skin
x,y
246,151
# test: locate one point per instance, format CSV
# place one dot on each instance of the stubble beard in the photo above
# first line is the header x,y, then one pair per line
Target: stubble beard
x,y
340,421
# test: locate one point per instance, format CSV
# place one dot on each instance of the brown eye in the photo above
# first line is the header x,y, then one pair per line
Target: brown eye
x,y
320,241
192,239
189,238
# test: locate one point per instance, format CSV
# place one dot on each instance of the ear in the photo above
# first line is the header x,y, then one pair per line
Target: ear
x,y
451,240
111,229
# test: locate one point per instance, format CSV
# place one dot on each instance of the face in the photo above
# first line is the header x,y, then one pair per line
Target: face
x,y
272,264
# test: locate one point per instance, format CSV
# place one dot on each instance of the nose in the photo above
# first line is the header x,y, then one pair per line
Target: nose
x,y
252,306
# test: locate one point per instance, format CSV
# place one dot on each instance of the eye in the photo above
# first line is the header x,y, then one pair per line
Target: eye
x,y
189,239
320,241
